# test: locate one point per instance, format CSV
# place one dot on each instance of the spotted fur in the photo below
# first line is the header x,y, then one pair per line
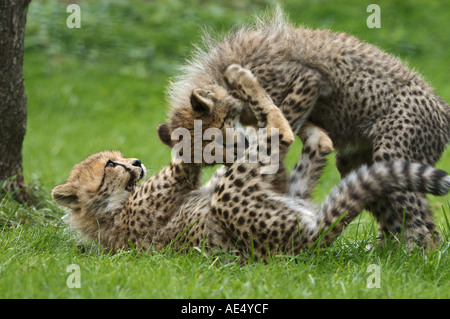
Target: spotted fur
x,y
373,107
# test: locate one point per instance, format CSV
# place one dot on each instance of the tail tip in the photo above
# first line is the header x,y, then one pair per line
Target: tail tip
x,y
447,182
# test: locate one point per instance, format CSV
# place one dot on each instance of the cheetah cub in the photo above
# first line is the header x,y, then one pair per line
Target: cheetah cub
x,y
240,208
373,107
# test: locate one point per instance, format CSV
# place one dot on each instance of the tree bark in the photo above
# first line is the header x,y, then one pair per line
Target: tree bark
x,y
13,100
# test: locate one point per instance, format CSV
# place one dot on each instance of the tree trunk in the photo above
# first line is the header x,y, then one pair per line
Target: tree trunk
x,y
13,101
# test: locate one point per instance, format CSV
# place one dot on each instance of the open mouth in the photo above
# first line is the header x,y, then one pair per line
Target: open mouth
x,y
134,180
131,184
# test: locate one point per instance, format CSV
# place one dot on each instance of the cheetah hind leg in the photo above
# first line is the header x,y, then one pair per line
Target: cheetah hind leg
x,y
306,173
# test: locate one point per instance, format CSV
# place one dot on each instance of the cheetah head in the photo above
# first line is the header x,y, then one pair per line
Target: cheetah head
x,y
213,106
99,185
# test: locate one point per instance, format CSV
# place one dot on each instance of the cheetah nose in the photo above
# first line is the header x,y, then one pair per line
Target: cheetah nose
x,y
137,163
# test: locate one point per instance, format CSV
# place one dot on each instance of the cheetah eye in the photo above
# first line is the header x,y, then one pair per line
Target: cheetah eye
x,y
110,164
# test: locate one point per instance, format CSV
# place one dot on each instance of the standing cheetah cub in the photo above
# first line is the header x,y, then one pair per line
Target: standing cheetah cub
x,y
239,208
373,107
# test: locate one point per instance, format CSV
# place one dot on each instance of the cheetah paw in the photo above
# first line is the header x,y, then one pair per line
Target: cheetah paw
x,y
240,79
313,134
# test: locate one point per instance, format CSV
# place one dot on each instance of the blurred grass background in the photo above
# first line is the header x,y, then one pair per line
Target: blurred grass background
x,y
103,87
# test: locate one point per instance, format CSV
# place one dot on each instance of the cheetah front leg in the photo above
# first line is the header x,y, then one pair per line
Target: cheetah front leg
x,y
250,90
276,134
298,99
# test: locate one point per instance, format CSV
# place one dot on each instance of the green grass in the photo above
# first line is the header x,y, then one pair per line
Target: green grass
x,y
35,260
102,87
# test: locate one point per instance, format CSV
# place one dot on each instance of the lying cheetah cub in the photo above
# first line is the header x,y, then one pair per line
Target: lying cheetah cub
x,y
239,207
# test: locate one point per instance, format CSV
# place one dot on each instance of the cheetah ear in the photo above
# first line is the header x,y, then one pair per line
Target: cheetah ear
x,y
164,134
65,195
202,101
